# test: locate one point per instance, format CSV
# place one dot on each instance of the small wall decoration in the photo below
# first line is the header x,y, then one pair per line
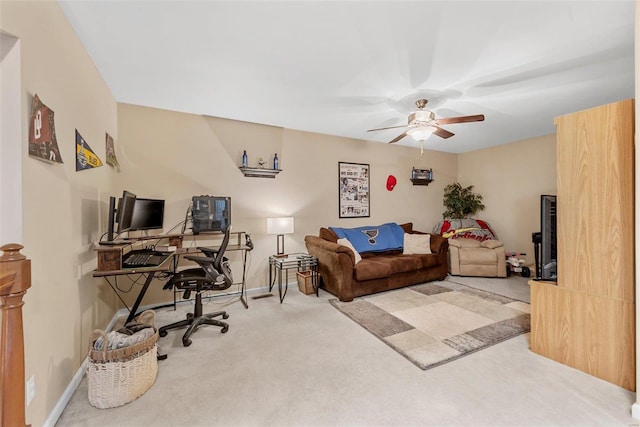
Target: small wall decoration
x,y
42,133
112,160
85,157
353,189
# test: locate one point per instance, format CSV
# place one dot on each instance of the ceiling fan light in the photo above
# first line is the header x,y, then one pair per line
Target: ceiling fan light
x,y
421,133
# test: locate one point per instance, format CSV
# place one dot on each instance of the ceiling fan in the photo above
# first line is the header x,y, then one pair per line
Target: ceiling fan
x,y
422,123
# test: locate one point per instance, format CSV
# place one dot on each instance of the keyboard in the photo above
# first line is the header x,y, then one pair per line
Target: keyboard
x,y
144,258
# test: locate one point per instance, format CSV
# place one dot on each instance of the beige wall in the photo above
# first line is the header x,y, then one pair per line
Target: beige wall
x,y
60,206
176,156
511,178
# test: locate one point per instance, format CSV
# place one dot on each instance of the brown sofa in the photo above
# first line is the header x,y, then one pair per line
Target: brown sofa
x,y
376,272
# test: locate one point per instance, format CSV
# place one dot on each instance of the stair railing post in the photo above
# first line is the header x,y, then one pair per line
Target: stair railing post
x,y
15,279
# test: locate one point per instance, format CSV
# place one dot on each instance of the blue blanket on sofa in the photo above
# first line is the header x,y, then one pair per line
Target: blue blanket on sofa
x,y
378,238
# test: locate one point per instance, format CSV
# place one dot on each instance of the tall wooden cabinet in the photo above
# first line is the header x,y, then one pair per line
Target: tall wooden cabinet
x,y
587,319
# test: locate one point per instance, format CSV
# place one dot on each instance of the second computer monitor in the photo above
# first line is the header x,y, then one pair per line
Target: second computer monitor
x,y
148,214
125,211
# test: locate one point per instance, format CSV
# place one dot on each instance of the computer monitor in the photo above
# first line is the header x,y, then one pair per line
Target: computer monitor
x,y
148,214
111,218
210,213
125,211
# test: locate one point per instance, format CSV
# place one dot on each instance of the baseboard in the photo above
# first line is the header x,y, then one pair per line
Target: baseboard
x,y
55,413
62,403
635,411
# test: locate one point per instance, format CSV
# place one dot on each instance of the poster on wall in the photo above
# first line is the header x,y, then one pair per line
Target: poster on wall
x,y
112,160
85,157
353,189
42,133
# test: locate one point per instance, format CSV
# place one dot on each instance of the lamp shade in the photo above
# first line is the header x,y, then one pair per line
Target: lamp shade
x,y
421,133
283,225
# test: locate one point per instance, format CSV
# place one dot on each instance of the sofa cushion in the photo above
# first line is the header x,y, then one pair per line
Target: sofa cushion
x,y
429,261
407,227
328,235
417,244
405,263
384,266
372,268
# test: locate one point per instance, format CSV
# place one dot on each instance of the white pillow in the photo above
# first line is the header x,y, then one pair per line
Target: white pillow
x,y
416,244
347,243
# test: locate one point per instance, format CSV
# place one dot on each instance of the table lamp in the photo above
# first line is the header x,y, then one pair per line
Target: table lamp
x,y
280,227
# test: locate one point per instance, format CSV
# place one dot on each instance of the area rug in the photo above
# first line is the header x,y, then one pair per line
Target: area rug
x,y
434,323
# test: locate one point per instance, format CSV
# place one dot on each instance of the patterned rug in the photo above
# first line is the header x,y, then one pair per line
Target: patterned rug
x,y
435,323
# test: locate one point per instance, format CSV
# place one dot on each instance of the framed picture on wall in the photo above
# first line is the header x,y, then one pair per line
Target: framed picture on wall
x,y
353,190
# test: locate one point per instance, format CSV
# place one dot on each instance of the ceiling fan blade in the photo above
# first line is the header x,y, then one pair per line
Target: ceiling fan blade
x,y
461,119
390,127
442,133
398,138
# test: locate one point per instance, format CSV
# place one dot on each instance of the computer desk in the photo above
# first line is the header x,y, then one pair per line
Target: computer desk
x,y
149,272
112,267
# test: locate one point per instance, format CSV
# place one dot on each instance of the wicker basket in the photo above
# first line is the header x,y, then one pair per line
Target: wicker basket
x,y
117,377
305,282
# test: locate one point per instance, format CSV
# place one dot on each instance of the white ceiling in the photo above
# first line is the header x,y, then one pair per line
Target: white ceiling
x,y
340,68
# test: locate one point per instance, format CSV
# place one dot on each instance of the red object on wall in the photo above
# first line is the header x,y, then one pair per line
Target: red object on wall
x,y
391,182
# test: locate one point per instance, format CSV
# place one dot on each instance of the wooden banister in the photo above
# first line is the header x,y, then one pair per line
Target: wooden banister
x,y
15,279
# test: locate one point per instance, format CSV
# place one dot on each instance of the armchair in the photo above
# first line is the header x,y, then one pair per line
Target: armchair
x,y
471,257
213,274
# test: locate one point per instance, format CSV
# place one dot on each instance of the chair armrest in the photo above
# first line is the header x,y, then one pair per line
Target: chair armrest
x,y
210,252
199,259
453,243
491,244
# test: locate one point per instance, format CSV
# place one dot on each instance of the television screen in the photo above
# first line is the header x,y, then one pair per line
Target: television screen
x,y
148,214
548,235
125,211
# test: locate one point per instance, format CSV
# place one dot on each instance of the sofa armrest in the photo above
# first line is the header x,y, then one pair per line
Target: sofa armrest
x,y
439,244
335,263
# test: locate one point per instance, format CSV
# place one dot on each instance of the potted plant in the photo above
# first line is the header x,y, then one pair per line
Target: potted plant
x,y
461,202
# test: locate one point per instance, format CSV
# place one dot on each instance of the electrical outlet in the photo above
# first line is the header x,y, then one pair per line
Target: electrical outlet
x,y
31,389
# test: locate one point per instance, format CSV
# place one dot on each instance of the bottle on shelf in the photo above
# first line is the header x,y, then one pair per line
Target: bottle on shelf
x,y
413,173
275,161
245,161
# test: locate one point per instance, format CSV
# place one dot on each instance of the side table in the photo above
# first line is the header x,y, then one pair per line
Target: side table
x,y
298,261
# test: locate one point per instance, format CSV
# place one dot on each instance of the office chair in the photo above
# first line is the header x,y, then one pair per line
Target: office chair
x,y
214,274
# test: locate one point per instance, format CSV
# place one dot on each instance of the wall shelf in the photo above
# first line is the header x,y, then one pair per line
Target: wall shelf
x,y
260,172
421,176
419,181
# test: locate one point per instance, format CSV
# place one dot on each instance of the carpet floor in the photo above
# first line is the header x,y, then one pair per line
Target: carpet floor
x,y
431,324
303,363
